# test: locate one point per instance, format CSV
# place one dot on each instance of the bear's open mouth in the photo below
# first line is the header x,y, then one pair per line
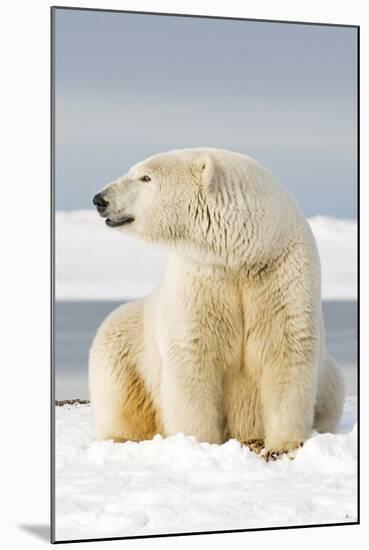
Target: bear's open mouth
x,y
118,223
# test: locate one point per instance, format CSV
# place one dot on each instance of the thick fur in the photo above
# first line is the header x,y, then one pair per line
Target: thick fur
x,y
232,342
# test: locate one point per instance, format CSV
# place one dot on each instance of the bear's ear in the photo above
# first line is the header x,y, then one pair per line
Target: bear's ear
x,y
204,169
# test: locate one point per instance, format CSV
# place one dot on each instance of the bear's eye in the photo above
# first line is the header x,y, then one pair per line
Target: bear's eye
x,y
145,178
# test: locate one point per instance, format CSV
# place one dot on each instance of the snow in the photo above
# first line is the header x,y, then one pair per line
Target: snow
x,y
337,244
97,263
106,489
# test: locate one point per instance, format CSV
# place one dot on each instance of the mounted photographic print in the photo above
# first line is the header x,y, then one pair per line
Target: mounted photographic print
x,y
205,199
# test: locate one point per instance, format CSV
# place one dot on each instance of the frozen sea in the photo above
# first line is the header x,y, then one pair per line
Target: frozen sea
x,y
77,321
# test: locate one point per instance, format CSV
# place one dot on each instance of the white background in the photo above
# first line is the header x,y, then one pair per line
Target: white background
x,y
25,442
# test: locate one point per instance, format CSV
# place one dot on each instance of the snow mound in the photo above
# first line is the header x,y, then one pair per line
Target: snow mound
x,y
106,489
97,263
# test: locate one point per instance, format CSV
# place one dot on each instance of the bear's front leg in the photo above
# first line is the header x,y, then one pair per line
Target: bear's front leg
x,y
191,395
199,339
288,382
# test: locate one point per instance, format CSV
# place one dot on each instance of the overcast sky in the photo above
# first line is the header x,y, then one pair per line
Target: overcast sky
x,y
129,86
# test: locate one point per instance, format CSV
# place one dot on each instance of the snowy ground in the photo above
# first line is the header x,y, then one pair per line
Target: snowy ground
x,y
106,489
131,269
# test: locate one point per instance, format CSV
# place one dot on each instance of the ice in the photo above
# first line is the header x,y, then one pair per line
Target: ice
x,y
94,262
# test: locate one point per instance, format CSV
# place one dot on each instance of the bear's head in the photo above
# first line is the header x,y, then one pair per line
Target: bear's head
x,y
206,202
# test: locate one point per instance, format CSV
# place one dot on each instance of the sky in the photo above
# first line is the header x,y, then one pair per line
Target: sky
x,y
128,86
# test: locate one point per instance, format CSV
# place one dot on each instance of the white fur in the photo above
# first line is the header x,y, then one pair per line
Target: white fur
x,y
232,342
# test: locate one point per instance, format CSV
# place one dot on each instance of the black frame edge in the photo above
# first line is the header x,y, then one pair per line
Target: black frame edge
x,y
52,273
171,14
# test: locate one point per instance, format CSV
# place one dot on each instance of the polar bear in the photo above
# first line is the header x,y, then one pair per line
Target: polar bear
x,y
231,344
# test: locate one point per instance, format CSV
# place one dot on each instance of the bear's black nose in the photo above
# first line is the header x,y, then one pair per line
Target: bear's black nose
x,y
100,203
